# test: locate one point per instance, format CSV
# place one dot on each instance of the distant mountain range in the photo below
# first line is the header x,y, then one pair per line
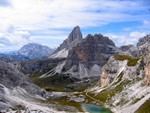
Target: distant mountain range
x,y
34,51
27,52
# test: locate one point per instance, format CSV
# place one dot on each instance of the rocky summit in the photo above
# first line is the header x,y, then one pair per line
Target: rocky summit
x,y
74,37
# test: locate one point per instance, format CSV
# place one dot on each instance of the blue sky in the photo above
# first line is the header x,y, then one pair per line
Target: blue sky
x,y
49,22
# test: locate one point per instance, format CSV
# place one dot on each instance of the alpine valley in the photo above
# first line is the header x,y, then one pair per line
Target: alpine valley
x,y
88,74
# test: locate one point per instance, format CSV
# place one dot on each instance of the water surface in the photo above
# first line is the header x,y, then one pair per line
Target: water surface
x,y
96,109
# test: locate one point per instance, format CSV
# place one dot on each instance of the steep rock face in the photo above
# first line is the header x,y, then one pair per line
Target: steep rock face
x,y
74,37
105,80
93,51
147,68
143,45
147,74
117,68
10,77
33,51
11,80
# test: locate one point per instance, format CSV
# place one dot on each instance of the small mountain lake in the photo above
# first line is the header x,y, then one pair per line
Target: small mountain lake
x,y
95,109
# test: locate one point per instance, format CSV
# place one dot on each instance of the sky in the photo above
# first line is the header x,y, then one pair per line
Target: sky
x,y
49,22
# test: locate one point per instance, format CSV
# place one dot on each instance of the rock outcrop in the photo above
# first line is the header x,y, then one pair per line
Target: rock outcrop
x,y
147,68
121,84
130,50
105,79
119,66
73,39
11,80
143,45
87,57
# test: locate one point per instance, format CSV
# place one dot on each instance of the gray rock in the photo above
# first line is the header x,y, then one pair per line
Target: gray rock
x,y
87,57
130,50
143,45
10,77
74,37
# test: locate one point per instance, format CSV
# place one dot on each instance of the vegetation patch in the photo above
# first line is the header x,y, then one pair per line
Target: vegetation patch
x,y
132,61
145,108
108,93
142,63
55,83
137,100
64,101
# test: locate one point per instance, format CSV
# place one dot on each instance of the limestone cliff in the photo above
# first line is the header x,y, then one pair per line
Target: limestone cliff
x,y
147,68
105,79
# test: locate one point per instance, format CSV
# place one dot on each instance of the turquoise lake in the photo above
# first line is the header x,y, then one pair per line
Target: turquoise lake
x,y
96,109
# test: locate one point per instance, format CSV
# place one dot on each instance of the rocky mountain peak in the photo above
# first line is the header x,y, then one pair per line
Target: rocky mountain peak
x,y
74,37
98,39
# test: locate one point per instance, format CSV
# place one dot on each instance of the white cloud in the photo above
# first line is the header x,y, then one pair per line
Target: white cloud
x,y
48,37
13,39
137,34
2,45
127,29
21,18
131,38
44,14
146,22
51,41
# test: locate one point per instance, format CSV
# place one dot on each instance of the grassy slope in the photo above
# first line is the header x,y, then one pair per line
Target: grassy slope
x,y
145,108
131,60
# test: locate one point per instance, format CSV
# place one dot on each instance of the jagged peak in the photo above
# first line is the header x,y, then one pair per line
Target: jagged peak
x,y
74,35
76,28
73,38
99,38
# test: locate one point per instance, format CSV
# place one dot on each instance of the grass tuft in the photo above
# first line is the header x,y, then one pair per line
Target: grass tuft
x,y
132,61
